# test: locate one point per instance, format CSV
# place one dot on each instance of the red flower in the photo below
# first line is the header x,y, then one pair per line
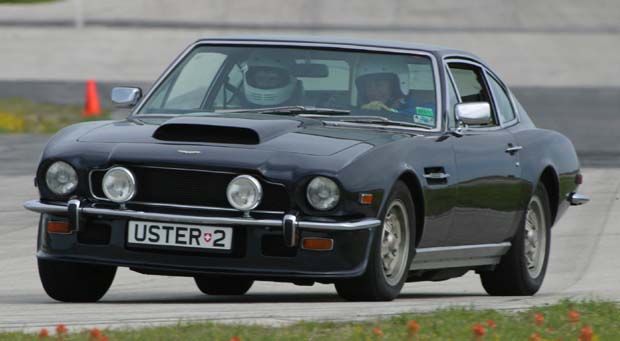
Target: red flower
x,y
43,333
586,333
103,338
95,333
491,324
61,329
535,337
234,339
377,331
413,327
573,316
478,330
539,318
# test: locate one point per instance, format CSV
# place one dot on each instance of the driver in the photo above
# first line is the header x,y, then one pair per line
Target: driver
x,y
383,84
269,80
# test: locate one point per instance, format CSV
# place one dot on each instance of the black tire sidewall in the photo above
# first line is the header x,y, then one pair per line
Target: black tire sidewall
x,y
75,282
511,276
530,282
214,285
375,266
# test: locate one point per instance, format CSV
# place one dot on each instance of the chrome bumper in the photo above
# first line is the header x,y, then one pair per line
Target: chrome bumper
x,y
576,199
289,223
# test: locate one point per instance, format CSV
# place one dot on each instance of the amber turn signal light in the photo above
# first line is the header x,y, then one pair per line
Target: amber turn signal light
x,y
58,227
317,244
366,199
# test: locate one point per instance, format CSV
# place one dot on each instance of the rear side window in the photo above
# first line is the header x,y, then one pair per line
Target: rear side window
x,y
504,107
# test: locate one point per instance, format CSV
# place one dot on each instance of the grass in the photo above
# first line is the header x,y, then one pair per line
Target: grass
x,y
449,324
18,115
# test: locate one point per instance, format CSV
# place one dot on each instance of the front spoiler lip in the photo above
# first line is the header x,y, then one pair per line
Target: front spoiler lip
x,y
180,270
40,207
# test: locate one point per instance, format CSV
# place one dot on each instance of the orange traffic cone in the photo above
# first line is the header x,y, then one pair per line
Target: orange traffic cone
x,y
91,107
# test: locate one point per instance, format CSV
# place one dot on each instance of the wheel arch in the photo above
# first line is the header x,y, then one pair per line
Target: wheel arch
x,y
549,179
413,184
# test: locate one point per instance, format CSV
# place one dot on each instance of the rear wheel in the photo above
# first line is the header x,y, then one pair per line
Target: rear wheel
x,y
75,282
522,270
223,285
391,253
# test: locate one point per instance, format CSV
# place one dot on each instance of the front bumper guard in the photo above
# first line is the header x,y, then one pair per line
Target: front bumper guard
x,y
288,223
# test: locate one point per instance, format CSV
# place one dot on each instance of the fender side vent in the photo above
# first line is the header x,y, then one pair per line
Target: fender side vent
x,y
206,134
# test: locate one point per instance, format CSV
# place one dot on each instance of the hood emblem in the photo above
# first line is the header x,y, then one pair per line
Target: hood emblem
x,y
182,151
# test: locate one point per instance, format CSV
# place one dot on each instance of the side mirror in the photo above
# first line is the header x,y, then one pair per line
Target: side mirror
x,y
126,96
473,113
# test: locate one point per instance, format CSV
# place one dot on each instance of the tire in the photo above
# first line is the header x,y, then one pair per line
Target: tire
x,y
379,283
517,274
223,285
75,282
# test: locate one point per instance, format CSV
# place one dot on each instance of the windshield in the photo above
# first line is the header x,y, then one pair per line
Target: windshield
x,y
398,87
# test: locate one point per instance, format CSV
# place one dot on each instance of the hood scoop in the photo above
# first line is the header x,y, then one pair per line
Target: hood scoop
x,y
223,130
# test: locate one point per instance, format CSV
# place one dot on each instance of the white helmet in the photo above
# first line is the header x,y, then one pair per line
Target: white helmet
x,y
268,78
392,66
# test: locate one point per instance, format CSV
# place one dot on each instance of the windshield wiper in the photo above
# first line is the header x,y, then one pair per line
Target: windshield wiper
x,y
292,110
378,120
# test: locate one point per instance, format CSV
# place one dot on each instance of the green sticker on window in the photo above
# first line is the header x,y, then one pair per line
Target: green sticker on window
x,y
424,111
428,120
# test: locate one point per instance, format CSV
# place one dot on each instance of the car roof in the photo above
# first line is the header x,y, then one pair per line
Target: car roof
x,y
352,43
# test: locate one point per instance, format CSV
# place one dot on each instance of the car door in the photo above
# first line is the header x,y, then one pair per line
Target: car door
x,y
487,164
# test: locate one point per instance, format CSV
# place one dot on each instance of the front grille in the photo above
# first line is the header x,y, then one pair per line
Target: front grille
x,y
191,187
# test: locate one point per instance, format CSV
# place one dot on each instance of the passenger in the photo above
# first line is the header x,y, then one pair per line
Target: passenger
x,y
269,81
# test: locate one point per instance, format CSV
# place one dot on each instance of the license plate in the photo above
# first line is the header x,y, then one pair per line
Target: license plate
x,y
179,235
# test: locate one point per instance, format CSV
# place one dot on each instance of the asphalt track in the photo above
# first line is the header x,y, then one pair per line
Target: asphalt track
x,y
584,264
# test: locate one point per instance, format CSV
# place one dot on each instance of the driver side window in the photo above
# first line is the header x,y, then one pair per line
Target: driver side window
x,y
471,86
453,100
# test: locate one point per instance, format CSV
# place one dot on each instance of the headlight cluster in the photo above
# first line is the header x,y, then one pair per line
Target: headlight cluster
x,y
322,193
61,178
244,192
119,184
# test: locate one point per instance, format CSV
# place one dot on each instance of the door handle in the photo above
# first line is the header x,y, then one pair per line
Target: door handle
x,y
513,149
437,176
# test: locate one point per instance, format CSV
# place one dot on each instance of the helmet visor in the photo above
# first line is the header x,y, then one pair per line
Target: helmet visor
x,y
264,77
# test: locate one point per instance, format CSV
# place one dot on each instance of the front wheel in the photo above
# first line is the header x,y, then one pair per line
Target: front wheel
x,y
223,285
390,255
522,270
75,282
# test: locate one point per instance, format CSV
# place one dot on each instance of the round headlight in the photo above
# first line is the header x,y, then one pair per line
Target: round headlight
x,y
244,192
61,178
119,184
322,193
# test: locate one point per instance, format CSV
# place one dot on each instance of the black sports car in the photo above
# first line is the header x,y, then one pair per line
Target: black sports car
x,y
359,163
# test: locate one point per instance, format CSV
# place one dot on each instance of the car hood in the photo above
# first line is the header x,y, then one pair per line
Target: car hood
x,y
264,132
